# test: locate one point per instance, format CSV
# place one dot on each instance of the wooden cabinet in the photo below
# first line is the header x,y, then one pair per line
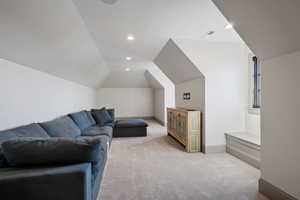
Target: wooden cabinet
x,y
185,126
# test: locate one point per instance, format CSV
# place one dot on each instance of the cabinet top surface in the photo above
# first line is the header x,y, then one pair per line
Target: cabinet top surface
x,y
184,109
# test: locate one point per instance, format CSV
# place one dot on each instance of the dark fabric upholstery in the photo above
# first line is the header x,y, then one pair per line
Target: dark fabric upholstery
x,y
111,112
70,181
98,167
51,151
3,162
90,116
61,127
98,130
130,123
6,135
110,124
31,130
48,183
130,132
82,119
101,116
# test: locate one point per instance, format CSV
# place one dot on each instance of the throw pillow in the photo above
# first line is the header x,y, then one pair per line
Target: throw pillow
x,y
101,116
50,151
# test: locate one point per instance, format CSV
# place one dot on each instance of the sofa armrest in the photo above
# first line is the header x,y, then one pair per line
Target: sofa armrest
x,y
52,183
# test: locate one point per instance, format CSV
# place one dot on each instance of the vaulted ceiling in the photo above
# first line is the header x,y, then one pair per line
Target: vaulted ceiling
x,y
270,28
85,41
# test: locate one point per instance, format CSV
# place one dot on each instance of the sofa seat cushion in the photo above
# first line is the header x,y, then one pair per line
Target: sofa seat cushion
x,y
61,127
130,123
102,116
21,152
98,130
83,119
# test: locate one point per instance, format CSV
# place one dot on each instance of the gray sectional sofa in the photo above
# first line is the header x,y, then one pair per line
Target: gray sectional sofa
x,y
55,160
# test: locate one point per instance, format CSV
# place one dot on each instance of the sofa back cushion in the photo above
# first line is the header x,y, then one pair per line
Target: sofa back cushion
x,y
101,116
82,119
61,127
50,151
31,130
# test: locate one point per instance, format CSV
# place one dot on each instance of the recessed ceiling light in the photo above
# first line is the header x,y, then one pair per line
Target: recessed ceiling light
x,y
127,69
229,26
130,37
128,58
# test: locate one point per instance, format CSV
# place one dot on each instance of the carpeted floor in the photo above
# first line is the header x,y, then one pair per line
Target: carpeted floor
x,y
156,168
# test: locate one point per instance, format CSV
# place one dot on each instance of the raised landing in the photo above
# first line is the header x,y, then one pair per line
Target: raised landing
x,y
245,146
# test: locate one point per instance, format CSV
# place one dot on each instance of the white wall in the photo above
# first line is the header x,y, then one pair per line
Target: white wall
x,y
225,67
197,89
169,91
30,96
159,104
128,102
253,124
280,122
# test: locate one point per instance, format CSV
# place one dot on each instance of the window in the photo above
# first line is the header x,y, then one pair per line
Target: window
x,y
257,83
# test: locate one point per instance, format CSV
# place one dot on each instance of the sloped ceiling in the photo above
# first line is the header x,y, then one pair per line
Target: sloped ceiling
x,y
175,64
154,83
270,28
85,40
152,23
50,36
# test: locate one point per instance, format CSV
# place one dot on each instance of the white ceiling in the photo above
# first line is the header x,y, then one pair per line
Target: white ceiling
x,y
270,28
50,36
85,40
152,23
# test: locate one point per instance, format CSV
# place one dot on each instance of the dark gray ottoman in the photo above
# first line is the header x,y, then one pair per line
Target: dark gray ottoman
x,y
130,128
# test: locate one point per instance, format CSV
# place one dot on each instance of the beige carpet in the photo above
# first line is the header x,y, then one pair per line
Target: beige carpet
x,y
156,168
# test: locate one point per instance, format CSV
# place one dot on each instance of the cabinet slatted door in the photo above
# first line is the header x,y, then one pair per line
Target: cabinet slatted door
x,y
185,127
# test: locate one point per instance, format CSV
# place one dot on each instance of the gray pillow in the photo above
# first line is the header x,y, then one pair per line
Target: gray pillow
x,y
41,151
61,127
111,112
101,116
82,119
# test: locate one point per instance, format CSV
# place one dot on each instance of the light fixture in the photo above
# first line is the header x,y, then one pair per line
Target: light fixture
x,y
229,26
127,69
128,58
130,37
